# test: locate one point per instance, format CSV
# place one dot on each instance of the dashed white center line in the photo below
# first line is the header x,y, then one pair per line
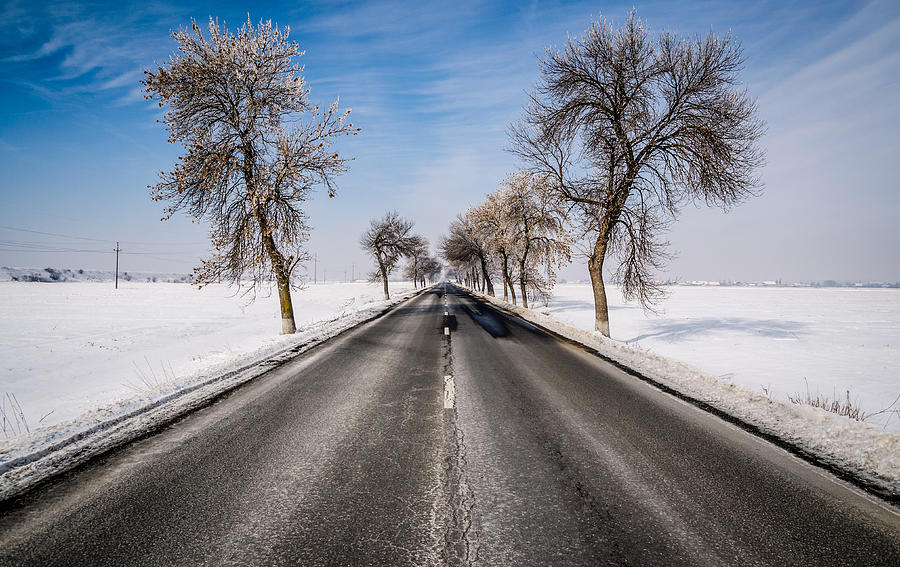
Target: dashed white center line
x,y
449,392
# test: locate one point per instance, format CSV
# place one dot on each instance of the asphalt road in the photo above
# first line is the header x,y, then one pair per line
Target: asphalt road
x,y
395,444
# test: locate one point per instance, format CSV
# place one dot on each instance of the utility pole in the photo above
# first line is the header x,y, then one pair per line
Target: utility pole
x,y
324,274
345,275
353,271
315,266
117,265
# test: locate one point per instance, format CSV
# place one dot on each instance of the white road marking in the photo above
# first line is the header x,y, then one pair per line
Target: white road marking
x,y
449,392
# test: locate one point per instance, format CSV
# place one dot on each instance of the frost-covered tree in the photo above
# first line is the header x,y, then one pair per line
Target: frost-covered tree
x,y
254,147
389,239
462,270
538,235
466,248
492,219
415,263
421,268
631,128
432,269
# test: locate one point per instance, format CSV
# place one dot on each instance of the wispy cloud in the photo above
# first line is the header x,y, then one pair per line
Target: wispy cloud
x,y
7,147
63,48
848,97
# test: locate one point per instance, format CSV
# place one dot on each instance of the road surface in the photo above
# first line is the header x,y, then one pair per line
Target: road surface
x,y
496,444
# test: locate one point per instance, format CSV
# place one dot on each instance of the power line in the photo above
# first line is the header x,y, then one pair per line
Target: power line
x,y
149,242
55,234
98,239
171,257
164,253
27,246
57,251
33,247
13,246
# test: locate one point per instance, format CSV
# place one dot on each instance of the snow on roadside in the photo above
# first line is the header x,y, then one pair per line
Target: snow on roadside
x,y
193,380
859,449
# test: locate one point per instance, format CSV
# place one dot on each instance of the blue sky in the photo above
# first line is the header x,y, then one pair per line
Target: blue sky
x,y
434,85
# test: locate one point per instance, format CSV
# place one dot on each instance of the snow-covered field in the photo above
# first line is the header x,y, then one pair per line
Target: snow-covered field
x,y
68,348
775,338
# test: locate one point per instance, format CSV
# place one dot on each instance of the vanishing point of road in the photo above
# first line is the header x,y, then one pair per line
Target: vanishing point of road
x,y
496,444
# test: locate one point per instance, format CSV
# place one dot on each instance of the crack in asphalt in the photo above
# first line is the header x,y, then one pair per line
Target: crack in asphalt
x,y
460,535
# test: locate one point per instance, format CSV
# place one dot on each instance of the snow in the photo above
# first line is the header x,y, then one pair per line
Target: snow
x,y
68,348
779,339
720,345
92,366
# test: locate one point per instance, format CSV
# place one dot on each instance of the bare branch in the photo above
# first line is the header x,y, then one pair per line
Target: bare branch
x,y
630,129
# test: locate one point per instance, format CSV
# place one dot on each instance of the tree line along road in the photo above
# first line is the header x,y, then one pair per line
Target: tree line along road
x,y
495,444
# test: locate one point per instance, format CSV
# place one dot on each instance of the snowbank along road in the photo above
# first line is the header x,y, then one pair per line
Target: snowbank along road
x,y
447,432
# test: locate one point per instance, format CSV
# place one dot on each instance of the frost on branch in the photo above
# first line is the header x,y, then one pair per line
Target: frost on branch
x,y
520,230
254,149
388,239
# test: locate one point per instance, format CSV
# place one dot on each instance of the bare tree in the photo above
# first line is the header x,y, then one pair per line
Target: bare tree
x,y
255,146
630,129
466,246
432,269
491,219
415,263
460,267
536,227
388,239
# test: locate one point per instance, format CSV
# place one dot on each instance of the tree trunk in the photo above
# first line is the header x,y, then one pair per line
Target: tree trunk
x,y
505,290
282,278
507,280
384,277
595,268
522,285
487,277
288,326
